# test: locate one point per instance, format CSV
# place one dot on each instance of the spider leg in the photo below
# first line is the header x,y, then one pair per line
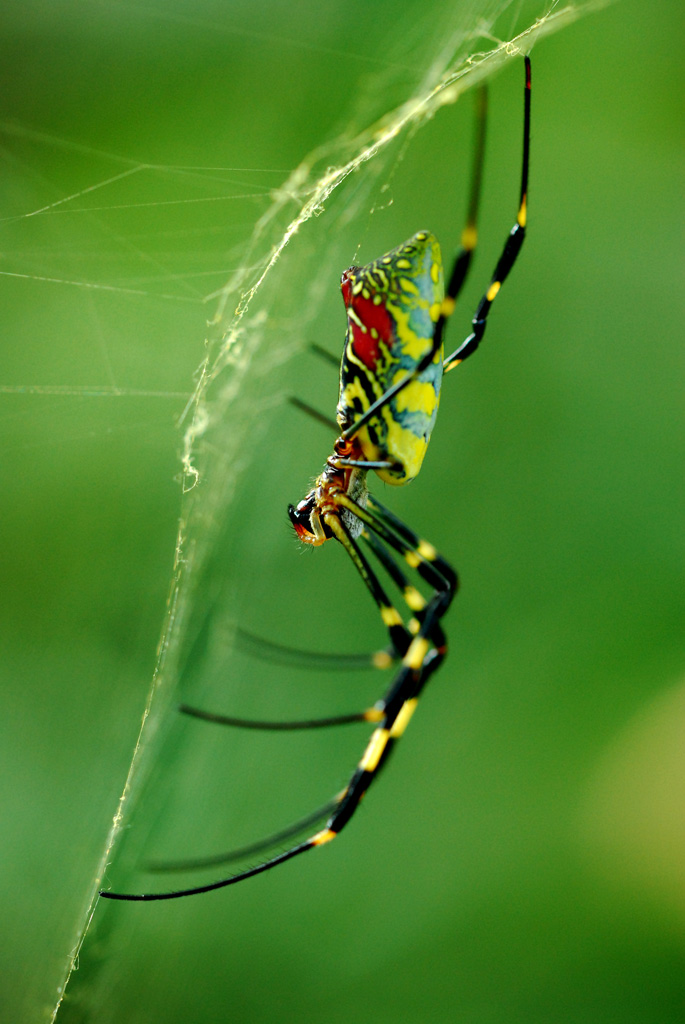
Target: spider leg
x,y
324,354
412,597
282,654
441,576
469,235
418,554
433,657
415,546
197,863
510,252
314,413
399,635
266,865
417,666
369,715
414,600
400,638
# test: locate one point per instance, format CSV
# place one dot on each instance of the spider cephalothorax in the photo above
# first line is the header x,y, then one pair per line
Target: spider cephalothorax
x,y
341,475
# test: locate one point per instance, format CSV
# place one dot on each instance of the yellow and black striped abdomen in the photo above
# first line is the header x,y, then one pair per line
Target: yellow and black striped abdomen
x,y
393,305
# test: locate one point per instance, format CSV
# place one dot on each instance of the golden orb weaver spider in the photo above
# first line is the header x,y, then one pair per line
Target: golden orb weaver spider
x,y
390,377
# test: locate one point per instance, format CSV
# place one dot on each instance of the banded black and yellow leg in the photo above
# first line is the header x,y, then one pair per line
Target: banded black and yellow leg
x,y
418,554
412,597
400,638
399,635
282,654
443,593
396,695
510,252
418,663
469,235
425,559
416,549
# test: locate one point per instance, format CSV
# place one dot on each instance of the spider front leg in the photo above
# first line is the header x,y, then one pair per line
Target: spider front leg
x,y
506,261
419,554
469,235
389,531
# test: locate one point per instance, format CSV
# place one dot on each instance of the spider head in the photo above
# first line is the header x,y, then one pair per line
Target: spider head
x,y
306,519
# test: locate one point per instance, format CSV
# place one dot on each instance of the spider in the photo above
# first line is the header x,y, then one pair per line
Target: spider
x,y
390,376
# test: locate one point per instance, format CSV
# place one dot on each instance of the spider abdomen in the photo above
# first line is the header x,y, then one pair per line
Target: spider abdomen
x,y
393,305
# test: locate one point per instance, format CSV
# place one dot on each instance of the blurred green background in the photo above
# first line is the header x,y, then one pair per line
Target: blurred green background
x,y
522,859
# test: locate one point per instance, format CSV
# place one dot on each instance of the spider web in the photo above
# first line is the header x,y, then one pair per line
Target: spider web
x,y
333,209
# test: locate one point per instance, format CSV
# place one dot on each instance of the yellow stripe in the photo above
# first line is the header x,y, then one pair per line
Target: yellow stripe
x,y
469,237
414,599
381,659
412,559
492,290
374,715
448,305
427,551
372,754
390,616
403,718
322,837
417,652
522,213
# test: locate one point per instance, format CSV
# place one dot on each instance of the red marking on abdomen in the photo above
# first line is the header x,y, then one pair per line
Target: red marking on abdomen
x,y
366,347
